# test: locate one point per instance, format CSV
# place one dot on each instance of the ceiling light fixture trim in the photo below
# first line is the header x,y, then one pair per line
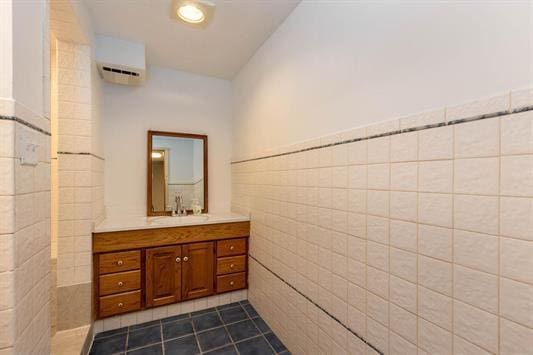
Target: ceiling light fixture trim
x,y
195,13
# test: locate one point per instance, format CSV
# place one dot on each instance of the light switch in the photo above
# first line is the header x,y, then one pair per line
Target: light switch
x,y
28,150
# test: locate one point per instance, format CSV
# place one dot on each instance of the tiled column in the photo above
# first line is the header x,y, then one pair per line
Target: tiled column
x,y
24,188
75,185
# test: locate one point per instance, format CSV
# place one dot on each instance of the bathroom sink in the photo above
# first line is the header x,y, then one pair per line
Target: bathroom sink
x,y
177,220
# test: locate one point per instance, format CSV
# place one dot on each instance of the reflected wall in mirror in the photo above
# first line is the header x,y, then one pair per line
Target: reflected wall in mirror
x,y
177,172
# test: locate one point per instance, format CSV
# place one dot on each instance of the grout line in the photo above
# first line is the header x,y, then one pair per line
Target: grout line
x,y
143,346
260,332
453,197
417,226
388,246
162,339
319,307
218,348
498,276
366,189
181,336
395,132
25,123
195,336
81,153
127,340
226,329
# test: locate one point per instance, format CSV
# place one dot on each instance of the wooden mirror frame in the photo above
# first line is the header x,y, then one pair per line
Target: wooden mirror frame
x,y
149,211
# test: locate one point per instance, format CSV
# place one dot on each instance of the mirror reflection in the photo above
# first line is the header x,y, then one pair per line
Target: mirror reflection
x,y
177,173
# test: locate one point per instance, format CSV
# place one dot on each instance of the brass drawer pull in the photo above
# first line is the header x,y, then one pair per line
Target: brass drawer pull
x,y
178,259
120,284
185,259
120,262
232,283
231,247
120,305
231,266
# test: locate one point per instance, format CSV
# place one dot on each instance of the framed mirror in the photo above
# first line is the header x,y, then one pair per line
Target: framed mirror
x,y
177,171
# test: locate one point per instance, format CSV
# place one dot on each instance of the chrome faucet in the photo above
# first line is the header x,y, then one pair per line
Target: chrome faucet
x,y
180,210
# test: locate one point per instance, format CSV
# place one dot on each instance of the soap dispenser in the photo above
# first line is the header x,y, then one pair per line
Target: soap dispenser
x,y
195,205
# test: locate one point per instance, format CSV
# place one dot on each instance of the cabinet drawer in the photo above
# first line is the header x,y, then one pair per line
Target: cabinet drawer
x,y
120,303
230,247
231,282
123,261
231,264
120,282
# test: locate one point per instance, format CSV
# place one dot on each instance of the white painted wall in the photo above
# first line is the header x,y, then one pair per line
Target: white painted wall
x,y
22,41
28,50
168,101
6,48
334,65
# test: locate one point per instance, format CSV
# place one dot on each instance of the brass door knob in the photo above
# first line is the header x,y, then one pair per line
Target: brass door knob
x,y
120,284
232,283
120,305
232,247
178,259
185,259
231,266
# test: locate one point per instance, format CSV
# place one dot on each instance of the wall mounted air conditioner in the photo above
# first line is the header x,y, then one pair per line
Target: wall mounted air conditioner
x,y
120,61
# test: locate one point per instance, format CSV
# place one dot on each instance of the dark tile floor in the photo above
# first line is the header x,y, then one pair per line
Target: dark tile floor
x,y
234,328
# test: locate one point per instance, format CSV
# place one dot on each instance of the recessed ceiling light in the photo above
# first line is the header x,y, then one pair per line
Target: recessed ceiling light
x,y
191,13
196,13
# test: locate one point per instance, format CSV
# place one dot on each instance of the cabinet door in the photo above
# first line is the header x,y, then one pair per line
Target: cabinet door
x,y
198,270
163,275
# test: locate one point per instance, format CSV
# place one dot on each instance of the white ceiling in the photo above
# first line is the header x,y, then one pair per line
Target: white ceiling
x,y
236,30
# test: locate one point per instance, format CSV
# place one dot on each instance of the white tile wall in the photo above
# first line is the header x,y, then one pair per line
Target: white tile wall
x,y
74,222
438,226
24,245
80,191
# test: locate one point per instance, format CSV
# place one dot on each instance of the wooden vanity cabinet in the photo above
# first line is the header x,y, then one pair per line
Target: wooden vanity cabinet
x,y
179,273
197,270
119,282
163,275
141,269
231,264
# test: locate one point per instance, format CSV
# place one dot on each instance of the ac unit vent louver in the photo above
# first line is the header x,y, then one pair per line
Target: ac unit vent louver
x,y
126,72
119,61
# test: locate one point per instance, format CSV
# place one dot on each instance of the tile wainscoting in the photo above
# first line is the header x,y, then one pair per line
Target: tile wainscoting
x,y
408,236
24,235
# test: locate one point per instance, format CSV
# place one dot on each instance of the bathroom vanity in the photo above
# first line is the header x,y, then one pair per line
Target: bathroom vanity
x,y
148,262
169,256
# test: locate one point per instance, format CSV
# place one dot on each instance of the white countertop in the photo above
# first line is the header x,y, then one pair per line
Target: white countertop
x,y
135,223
